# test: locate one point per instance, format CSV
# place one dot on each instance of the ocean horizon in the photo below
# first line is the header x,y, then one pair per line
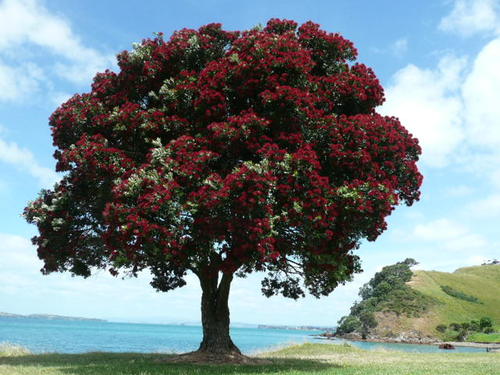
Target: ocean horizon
x,y
42,335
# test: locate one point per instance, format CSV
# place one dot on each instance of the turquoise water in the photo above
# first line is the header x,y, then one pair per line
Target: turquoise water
x,y
42,335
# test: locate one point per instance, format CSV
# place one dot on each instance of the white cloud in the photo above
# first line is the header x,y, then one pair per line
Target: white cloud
x,y
28,23
427,102
60,97
495,177
469,17
15,254
23,159
439,230
24,289
459,191
399,47
450,236
482,97
453,110
18,82
488,207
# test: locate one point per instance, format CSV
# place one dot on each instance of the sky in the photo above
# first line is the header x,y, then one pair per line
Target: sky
x,y
437,60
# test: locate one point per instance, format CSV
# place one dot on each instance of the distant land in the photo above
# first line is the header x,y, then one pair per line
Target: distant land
x,y
296,328
233,325
49,317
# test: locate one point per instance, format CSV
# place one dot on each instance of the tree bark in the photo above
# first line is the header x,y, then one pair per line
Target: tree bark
x,y
215,315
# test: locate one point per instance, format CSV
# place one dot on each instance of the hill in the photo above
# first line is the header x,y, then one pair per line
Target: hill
x,y
460,297
481,282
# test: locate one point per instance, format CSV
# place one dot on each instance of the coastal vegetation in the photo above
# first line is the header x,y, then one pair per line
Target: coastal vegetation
x,y
320,359
467,330
386,291
425,306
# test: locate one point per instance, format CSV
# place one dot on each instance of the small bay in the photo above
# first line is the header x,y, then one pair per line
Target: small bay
x,y
63,336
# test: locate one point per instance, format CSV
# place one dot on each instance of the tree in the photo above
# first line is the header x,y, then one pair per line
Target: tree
x,y
348,324
368,322
394,276
224,153
485,322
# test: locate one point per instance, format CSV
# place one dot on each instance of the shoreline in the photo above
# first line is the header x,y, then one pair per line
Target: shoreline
x,y
435,343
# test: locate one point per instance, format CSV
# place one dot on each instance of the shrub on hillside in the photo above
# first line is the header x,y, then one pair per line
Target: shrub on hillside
x,y
485,322
441,328
458,294
475,326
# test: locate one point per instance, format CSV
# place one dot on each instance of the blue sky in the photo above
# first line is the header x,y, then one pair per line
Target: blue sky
x,y
438,61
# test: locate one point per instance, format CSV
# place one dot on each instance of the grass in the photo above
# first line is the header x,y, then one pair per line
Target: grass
x,y
12,350
484,337
320,359
482,282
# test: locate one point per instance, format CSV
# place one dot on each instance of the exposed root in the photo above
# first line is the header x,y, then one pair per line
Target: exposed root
x,y
202,357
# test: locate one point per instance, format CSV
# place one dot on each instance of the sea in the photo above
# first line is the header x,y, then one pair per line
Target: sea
x,y
41,335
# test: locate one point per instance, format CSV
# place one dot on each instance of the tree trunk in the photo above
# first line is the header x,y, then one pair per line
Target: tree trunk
x,y
215,315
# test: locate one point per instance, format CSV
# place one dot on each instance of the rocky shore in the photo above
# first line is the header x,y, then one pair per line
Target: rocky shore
x,y
405,339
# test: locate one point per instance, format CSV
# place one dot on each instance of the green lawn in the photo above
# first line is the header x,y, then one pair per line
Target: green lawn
x,y
484,337
304,359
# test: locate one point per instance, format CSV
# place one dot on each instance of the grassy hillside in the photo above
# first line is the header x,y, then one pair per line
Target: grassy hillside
x,y
482,282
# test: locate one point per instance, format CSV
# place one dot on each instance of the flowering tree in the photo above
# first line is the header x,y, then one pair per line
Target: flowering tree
x,y
224,153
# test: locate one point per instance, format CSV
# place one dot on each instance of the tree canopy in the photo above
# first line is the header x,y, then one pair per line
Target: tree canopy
x,y
226,152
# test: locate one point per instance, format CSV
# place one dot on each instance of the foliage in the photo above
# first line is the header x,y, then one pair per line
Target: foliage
x,y
406,301
368,321
386,291
226,151
457,294
462,331
348,324
475,326
441,328
485,322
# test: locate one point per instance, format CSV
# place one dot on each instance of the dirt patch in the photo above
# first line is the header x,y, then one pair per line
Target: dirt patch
x,y
214,358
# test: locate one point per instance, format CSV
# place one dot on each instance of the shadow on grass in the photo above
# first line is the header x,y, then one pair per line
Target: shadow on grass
x,y
136,363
